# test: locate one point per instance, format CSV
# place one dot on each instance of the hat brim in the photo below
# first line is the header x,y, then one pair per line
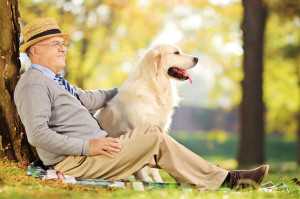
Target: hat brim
x,y
23,47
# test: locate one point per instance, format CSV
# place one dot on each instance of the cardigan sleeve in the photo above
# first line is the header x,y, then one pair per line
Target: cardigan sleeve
x,y
95,99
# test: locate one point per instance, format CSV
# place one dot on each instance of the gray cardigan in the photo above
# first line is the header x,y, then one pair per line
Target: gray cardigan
x,y
56,123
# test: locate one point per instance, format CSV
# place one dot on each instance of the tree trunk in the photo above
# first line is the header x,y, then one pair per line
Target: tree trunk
x,y
14,145
252,107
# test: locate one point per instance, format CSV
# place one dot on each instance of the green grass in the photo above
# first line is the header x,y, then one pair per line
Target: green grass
x,y
14,182
219,145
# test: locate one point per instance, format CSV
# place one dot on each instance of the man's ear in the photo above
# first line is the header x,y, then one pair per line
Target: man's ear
x,y
34,52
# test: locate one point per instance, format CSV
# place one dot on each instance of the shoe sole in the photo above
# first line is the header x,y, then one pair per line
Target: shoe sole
x,y
265,174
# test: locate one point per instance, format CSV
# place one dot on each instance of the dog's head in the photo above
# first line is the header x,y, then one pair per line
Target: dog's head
x,y
170,62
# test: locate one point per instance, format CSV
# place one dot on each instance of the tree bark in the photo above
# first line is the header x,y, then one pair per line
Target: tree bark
x,y
14,145
251,150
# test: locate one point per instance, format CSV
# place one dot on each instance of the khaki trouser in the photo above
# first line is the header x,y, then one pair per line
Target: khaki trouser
x,y
146,145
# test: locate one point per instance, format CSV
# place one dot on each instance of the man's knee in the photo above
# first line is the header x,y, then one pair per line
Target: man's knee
x,y
149,140
151,128
155,128
159,136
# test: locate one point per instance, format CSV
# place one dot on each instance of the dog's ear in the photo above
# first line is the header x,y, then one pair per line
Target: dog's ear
x,y
150,62
157,60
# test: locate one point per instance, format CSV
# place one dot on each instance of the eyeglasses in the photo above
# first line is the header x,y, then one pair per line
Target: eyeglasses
x,y
56,44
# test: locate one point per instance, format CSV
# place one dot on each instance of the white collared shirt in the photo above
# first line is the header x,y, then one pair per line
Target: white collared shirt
x,y
46,71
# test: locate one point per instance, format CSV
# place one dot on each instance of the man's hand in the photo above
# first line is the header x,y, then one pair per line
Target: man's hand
x,y
103,146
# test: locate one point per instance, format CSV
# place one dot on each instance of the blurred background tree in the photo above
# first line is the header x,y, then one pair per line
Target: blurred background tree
x,y
109,37
251,146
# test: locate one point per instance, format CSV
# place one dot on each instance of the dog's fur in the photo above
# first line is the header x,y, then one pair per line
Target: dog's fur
x,y
147,96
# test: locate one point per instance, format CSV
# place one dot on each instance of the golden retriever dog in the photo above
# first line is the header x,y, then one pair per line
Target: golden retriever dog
x,y
148,96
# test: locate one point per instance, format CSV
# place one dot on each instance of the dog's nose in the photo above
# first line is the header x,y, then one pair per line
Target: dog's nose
x,y
195,59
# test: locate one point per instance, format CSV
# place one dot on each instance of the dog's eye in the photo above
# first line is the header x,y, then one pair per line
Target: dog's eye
x,y
177,53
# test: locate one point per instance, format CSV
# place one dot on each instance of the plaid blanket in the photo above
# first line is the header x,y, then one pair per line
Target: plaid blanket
x,y
50,174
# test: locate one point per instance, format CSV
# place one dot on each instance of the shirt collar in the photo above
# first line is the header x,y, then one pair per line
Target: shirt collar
x,y
46,71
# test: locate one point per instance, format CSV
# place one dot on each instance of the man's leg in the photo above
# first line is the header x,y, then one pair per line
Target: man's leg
x,y
141,130
146,173
157,150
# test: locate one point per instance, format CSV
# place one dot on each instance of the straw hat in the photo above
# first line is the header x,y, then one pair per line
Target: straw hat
x,y
39,29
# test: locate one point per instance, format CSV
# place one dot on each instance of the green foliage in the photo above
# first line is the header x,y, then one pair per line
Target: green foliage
x,y
281,85
105,35
109,37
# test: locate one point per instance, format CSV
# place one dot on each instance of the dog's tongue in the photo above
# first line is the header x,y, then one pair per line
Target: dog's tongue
x,y
183,73
190,78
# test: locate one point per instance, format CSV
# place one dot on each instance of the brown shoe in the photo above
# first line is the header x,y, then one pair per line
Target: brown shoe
x,y
246,178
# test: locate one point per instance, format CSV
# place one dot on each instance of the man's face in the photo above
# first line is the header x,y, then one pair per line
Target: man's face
x,y
51,56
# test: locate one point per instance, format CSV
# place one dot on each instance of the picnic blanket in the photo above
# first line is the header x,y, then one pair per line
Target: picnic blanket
x,y
51,174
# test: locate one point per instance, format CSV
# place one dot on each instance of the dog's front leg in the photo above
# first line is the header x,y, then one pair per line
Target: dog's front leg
x,y
140,175
154,174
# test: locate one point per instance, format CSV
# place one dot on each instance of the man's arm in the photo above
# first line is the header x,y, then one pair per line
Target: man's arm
x,y
34,108
95,99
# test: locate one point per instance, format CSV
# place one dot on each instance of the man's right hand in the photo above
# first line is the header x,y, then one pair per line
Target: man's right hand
x,y
104,146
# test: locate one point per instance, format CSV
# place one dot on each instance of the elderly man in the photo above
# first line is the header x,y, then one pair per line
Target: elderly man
x,y
57,119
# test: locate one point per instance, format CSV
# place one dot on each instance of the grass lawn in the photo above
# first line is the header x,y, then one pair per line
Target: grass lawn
x,y
14,182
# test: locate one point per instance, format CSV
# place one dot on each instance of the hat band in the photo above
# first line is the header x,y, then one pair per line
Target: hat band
x,y
47,32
